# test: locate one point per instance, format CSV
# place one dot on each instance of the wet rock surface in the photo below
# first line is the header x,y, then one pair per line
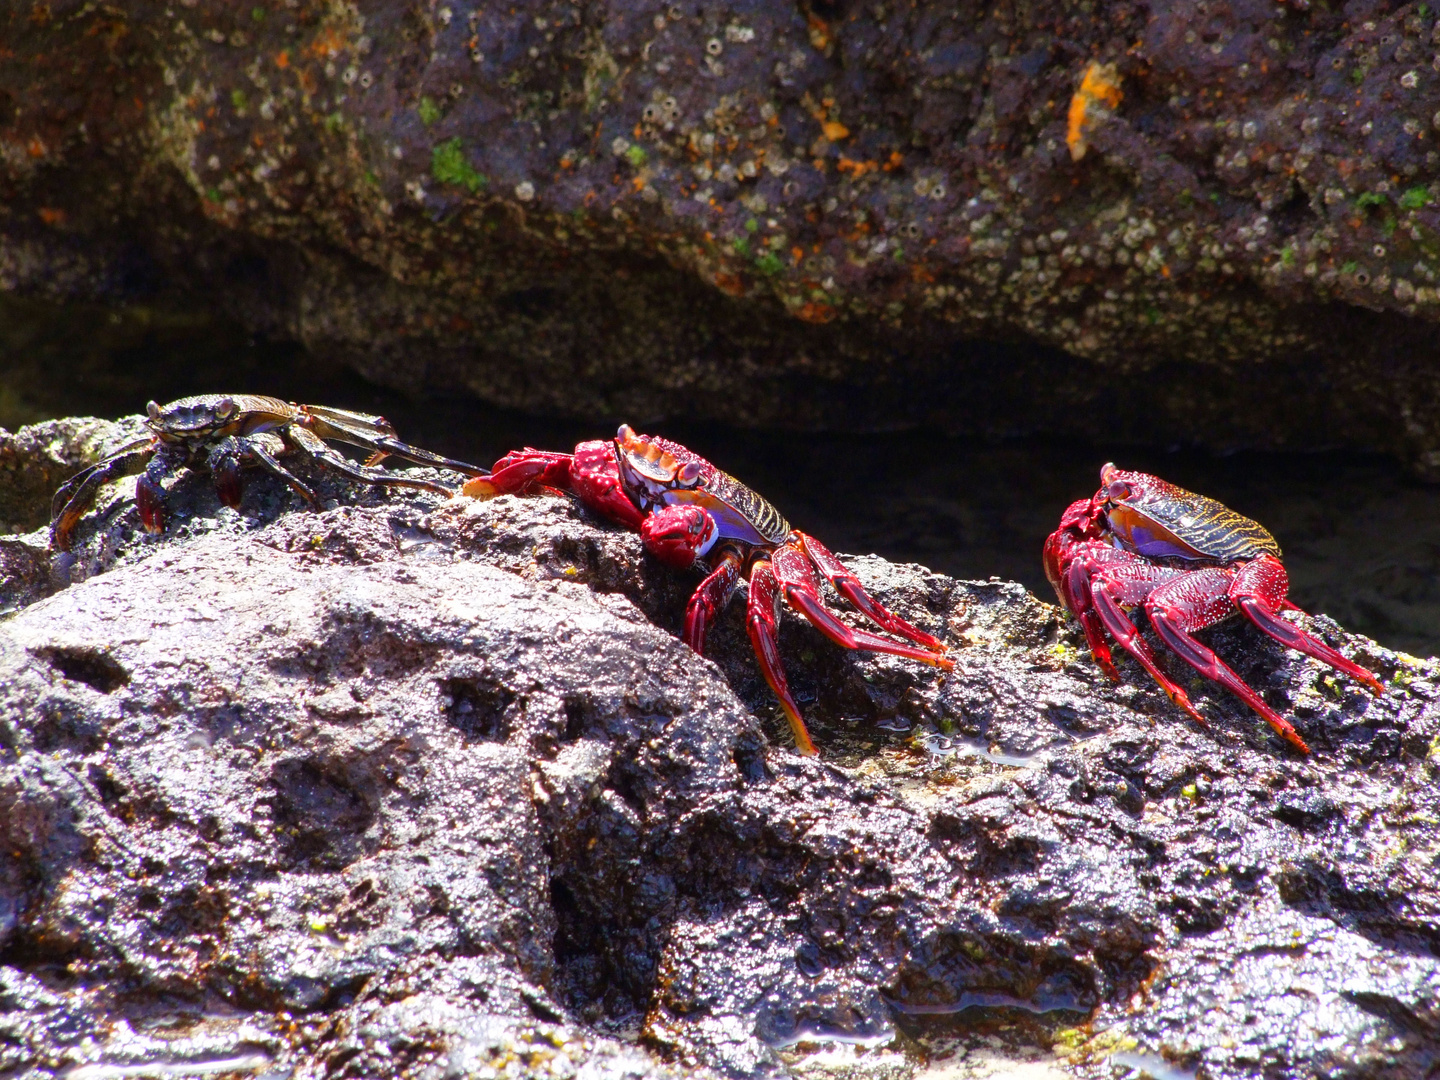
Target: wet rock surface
x,y
783,214
416,787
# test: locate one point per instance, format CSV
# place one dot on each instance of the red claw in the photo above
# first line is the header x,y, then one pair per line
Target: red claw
x,y
150,502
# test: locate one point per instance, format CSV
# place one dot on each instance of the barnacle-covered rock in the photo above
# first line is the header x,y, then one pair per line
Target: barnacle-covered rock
x,y
412,787
816,207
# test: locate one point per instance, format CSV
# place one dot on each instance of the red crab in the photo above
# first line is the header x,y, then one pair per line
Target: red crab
x,y
1191,563
690,513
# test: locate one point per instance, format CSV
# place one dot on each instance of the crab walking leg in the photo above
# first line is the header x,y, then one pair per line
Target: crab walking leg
x,y
316,447
848,586
250,451
77,493
374,433
1259,589
710,599
1076,593
1192,602
1124,584
791,568
760,621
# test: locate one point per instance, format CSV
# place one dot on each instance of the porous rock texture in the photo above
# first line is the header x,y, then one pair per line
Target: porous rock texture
x,y
419,788
781,214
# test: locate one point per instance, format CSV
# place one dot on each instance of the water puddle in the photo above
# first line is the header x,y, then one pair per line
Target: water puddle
x,y
944,746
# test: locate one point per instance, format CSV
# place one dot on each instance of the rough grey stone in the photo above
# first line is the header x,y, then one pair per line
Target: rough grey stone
x,y
416,787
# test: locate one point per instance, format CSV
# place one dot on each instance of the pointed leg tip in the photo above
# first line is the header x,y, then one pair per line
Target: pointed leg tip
x,y
478,487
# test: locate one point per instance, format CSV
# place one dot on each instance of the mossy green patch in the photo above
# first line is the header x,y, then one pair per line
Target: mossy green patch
x,y
238,98
769,264
1367,200
636,156
1415,198
449,165
428,111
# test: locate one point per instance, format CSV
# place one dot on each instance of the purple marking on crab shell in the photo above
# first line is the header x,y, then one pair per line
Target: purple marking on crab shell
x,y
1143,542
732,524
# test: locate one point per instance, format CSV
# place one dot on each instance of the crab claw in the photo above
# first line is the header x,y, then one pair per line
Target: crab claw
x,y
678,535
150,501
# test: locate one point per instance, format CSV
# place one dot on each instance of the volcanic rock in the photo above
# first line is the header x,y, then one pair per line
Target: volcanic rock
x,y
432,788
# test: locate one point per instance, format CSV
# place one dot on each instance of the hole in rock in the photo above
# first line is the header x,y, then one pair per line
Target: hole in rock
x,y
89,666
319,817
477,708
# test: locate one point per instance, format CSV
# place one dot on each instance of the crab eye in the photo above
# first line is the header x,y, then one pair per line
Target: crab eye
x,y
152,410
689,473
225,408
1118,490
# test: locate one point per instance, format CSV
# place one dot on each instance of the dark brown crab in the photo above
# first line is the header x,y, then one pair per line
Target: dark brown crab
x,y
224,433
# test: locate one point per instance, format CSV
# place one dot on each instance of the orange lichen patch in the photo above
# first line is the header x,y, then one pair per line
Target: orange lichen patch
x,y
35,147
328,42
834,130
730,284
798,254
1099,93
859,168
51,215
819,31
815,312
282,59
897,159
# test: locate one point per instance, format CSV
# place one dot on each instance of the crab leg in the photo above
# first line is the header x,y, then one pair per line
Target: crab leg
x,y
591,473
1192,602
760,621
76,494
1075,591
710,598
1259,589
848,585
1123,584
317,448
376,434
231,454
791,568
